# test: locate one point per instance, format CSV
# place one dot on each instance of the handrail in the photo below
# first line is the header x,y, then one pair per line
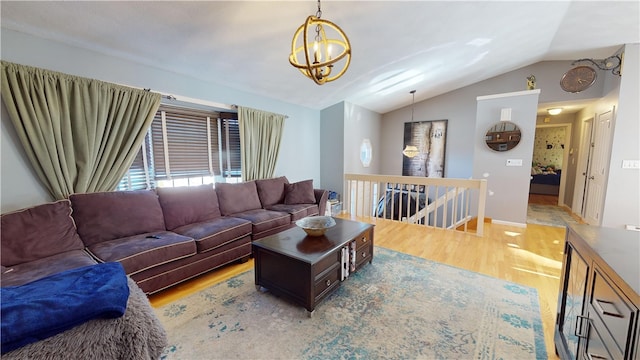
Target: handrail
x,y
446,203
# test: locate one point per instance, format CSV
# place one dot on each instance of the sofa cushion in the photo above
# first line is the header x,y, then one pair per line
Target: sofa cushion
x,y
37,269
216,232
113,215
263,220
300,193
236,198
271,191
139,252
188,204
297,211
38,232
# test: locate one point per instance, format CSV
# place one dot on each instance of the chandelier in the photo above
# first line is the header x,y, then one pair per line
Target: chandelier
x,y
315,54
411,151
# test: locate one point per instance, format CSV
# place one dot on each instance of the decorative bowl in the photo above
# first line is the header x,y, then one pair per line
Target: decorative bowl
x,y
316,225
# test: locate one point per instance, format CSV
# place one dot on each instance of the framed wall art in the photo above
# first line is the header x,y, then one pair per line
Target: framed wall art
x,y
424,148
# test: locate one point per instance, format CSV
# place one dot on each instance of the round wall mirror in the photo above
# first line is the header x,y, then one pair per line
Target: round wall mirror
x,y
503,136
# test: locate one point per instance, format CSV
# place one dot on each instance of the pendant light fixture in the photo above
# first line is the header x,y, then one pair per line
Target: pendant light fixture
x,y
411,151
317,46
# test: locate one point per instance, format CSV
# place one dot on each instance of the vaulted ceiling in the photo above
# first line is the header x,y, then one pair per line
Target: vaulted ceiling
x,y
431,46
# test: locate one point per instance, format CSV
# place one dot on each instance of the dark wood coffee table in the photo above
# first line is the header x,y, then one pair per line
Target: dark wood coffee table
x,y
306,269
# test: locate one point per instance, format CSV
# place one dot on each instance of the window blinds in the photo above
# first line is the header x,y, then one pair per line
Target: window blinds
x,y
184,143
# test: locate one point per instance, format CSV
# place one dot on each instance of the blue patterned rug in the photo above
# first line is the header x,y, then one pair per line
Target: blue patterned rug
x,y
398,307
549,215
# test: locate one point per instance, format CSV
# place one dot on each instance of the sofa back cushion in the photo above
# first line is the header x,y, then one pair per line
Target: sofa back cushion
x,y
38,232
112,215
235,198
300,192
188,205
271,191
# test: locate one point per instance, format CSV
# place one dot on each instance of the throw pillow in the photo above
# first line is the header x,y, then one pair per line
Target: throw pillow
x,y
271,191
299,193
188,205
38,232
236,198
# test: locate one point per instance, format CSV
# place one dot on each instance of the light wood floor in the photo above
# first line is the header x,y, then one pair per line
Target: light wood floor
x,y
530,256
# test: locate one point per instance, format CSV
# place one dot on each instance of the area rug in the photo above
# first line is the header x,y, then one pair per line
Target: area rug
x,y
549,215
398,307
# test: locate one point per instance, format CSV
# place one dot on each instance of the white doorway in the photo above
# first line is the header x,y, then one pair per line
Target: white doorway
x,y
552,144
599,158
595,150
584,155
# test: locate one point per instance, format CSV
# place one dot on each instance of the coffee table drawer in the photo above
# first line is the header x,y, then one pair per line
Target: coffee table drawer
x,y
326,282
363,255
325,263
364,239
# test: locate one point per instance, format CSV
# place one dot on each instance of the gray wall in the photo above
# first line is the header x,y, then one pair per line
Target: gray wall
x,y
360,124
459,107
300,148
623,198
332,140
351,124
622,202
507,186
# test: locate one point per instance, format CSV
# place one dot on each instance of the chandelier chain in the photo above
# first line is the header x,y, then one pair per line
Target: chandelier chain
x,y
318,26
413,100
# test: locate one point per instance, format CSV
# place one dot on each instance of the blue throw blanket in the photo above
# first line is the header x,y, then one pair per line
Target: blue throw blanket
x,y
51,305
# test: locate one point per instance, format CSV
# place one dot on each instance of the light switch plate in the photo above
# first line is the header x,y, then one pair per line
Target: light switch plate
x,y
631,164
514,162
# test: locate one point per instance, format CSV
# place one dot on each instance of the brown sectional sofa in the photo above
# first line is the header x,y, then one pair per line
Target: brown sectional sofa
x,y
160,237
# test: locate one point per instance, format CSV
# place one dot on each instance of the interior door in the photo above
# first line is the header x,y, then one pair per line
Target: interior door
x,y
583,168
598,168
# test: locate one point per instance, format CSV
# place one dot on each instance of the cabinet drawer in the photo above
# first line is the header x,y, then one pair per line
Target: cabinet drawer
x,y
364,239
613,310
326,282
363,255
331,260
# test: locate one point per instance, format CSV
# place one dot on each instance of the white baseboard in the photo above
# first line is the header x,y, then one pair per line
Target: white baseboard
x,y
508,223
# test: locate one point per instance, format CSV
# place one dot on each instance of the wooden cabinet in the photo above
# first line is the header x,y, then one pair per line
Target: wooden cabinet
x,y
598,302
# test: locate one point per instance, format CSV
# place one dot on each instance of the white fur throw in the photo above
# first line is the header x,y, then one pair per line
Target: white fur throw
x,y
136,335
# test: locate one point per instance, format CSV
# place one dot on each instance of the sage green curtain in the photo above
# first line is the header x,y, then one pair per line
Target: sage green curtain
x,y
81,135
260,136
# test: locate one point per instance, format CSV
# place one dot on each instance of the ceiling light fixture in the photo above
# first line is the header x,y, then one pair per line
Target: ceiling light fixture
x,y
554,111
411,151
308,49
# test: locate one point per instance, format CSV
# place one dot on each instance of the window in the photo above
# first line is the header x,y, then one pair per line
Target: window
x,y
186,147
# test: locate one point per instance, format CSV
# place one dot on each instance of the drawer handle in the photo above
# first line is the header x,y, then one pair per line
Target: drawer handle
x,y
364,239
328,282
579,319
596,356
364,254
607,308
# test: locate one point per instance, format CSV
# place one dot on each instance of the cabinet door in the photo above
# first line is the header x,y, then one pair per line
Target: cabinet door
x,y
572,300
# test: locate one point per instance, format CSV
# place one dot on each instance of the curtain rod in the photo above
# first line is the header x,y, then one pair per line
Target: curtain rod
x,y
234,106
193,101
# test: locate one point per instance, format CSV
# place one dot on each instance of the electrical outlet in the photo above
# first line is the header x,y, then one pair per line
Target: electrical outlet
x,y
514,162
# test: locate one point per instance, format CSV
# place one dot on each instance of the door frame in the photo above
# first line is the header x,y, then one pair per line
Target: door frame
x,y
584,158
565,157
